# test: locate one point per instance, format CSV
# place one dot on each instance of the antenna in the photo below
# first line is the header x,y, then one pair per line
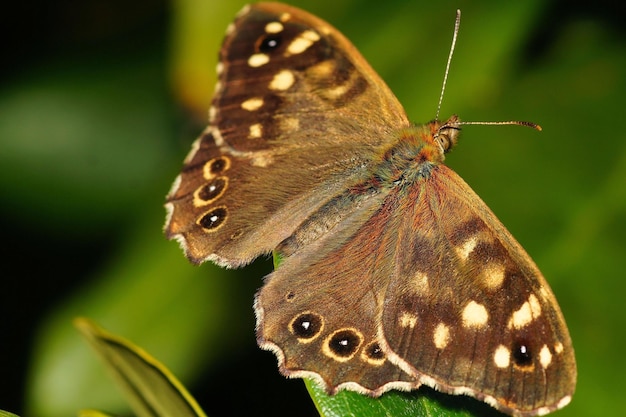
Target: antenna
x,y
508,122
457,23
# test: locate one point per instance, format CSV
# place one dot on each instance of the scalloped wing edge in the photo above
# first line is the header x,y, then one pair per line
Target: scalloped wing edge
x,y
394,358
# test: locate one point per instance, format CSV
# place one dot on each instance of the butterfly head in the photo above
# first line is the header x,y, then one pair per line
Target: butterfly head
x,y
416,150
446,135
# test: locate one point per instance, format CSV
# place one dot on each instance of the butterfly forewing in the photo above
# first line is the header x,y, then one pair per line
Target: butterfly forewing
x,y
286,130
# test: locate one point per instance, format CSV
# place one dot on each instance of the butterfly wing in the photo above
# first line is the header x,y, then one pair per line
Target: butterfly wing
x,y
291,126
467,310
434,280
393,286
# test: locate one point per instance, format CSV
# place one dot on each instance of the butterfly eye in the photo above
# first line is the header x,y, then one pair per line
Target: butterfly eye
x,y
269,43
447,137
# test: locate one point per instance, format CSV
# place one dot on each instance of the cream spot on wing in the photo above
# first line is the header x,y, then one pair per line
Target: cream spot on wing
x,y
441,336
274,27
558,347
302,42
420,283
535,307
322,70
282,81
545,357
466,248
521,317
256,131
336,92
502,357
219,68
258,60
262,159
564,401
408,319
475,315
252,104
285,16
212,114
542,411
230,28
493,275
217,88
529,311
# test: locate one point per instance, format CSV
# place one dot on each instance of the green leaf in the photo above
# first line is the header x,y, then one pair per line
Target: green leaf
x,y
150,293
424,402
151,389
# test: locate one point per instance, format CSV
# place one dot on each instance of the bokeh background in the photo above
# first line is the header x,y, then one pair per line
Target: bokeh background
x,y
101,99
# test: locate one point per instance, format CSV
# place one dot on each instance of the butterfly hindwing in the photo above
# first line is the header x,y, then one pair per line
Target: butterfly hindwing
x,y
317,327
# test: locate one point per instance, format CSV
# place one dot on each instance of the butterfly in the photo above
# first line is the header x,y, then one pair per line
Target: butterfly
x,y
394,273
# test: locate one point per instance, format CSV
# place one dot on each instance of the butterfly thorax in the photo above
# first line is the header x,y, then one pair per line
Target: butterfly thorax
x,y
416,150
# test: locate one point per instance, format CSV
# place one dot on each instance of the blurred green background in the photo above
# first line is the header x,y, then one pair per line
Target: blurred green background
x,y
100,101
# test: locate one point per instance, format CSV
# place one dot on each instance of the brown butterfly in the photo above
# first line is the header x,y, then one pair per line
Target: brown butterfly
x,y
394,272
